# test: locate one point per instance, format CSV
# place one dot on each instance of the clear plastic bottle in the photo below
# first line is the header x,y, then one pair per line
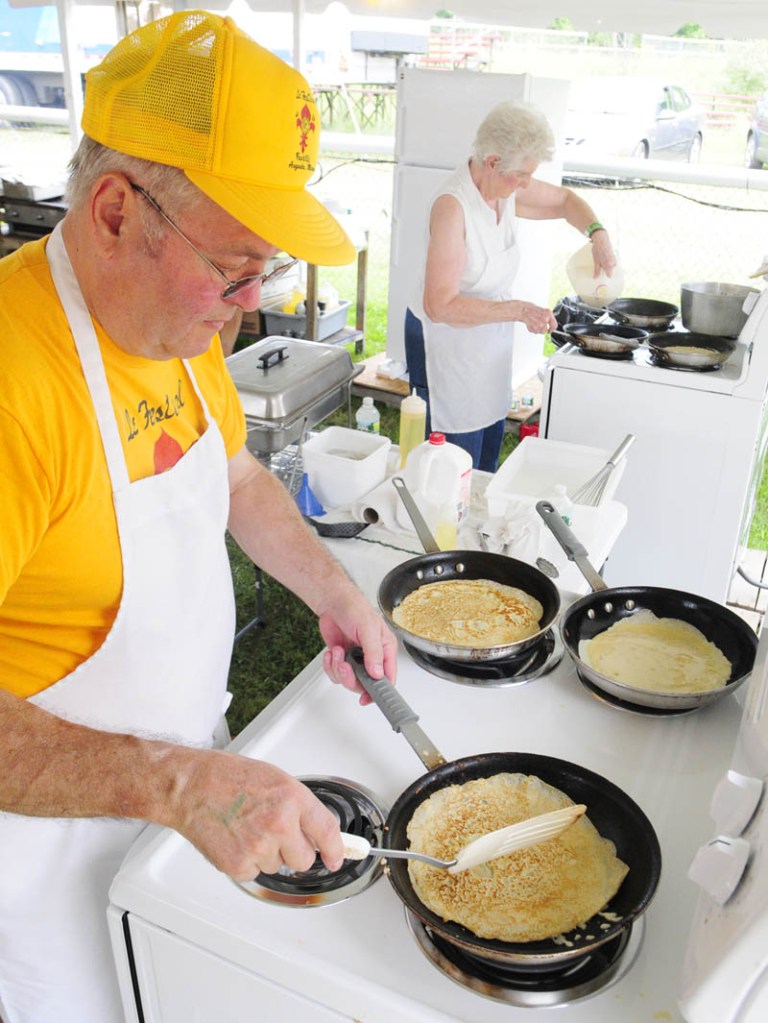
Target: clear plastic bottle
x,y
413,425
367,417
562,503
439,476
594,291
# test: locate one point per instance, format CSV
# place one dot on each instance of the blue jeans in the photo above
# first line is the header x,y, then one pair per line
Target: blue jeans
x,y
483,445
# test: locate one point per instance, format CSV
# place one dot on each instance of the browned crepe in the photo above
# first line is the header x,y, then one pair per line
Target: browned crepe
x,y
469,612
535,893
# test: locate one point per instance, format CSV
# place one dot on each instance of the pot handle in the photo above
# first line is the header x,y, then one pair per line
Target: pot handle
x,y
401,716
572,546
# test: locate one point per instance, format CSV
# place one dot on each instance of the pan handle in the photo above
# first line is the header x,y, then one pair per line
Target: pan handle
x,y
572,546
401,716
428,541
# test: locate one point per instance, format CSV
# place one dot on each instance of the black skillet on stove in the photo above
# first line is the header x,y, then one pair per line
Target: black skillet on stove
x,y
647,313
615,815
687,350
440,566
593,614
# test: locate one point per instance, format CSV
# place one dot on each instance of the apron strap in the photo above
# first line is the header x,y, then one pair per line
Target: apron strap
x,y
87,344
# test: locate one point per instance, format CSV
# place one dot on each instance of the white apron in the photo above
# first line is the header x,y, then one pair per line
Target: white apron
x,y
469,369
161,672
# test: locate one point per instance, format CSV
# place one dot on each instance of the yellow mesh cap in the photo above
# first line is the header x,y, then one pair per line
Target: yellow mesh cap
x,y
195,92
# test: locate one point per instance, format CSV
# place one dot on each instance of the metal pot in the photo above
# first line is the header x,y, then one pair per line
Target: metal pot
x,y
593,614
715,309
615,815
643,312
710,352
445,565
605,339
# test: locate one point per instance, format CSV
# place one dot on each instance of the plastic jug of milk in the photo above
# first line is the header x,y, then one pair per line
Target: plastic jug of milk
x,y
594,291
439,477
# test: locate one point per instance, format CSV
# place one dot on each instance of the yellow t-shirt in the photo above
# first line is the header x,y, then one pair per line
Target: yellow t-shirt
x,y
60,565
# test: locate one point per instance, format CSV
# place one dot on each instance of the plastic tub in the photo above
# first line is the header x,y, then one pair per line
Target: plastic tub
x,y
344,464
278,322
537,466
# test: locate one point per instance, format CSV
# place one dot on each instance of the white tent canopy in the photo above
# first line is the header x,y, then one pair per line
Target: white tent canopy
x,y
718,18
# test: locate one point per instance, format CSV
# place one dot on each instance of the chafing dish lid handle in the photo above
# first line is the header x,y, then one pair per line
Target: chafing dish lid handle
x,y
273,356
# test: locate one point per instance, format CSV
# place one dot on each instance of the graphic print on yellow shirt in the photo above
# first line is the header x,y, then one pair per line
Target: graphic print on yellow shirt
x,y
60,562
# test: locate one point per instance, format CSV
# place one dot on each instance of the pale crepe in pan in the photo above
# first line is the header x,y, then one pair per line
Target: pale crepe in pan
x,y
662,655
469,612
529,895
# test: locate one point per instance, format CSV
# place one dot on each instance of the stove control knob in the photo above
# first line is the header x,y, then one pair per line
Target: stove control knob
x,y
719,865
734,801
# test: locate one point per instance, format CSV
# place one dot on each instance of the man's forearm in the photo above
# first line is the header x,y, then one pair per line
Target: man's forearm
x,y
50,767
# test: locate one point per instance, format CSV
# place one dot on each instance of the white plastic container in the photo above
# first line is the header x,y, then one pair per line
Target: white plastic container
x,y
343,465
439,477
413,425
594,291
538,465
367,417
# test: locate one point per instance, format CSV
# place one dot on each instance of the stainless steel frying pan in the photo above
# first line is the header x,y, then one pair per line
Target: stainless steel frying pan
x,y
593,614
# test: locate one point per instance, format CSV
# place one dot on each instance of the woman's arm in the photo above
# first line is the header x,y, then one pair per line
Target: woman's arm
x,y
544,201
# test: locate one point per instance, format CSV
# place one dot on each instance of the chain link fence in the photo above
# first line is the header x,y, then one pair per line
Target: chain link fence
x,y
669,233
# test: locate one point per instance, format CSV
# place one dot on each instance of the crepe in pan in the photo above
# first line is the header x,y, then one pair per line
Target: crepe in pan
x,y
469,612
663,655
529,895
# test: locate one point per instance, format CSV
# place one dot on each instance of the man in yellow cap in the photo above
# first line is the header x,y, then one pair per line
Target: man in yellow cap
x,y
123,462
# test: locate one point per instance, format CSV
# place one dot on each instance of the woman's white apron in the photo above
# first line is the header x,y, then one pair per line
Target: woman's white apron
x,y
161,672
469,369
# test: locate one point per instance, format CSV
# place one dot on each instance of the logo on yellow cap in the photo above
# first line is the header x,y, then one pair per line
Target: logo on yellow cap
x,y
305,122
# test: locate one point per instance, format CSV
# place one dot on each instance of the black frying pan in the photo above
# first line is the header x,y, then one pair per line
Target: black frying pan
x,y
705,351
606,340
444,565
615,815
593,614
643,312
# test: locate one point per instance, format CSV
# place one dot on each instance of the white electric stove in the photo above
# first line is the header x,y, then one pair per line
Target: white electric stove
x,y
191,945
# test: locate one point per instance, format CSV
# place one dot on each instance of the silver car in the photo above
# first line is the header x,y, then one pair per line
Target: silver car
x,y
756,149
621,115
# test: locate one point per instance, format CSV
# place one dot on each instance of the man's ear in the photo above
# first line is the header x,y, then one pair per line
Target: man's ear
x,y
111,199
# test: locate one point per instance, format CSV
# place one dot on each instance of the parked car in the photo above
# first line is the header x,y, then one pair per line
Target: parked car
x,y
621,115
756,150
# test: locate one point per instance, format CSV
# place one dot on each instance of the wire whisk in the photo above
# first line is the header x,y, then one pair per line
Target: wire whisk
x,y
591,492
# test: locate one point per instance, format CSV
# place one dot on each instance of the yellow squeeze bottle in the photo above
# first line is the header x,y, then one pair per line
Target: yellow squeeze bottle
x,y
413,424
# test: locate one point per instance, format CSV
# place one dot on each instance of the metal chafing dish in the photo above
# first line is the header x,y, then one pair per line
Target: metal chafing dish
x,y
287,386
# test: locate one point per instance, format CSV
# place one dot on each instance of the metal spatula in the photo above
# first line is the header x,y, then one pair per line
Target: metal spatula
x,y
482,849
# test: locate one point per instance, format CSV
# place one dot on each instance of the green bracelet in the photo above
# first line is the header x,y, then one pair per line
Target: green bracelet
x,y
594,226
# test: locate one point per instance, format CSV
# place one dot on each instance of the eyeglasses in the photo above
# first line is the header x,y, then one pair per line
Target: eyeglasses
x,y
233,287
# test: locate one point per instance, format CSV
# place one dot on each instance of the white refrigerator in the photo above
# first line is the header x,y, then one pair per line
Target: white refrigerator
x,y
438,113
691,477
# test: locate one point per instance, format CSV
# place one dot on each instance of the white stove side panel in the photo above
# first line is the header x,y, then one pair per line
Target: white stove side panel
x,y
725,972
182,983
687,477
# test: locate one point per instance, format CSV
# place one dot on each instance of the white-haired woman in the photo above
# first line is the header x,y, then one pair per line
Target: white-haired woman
x,y
458,334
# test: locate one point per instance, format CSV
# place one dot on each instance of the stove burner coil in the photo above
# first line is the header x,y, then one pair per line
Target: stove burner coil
x,y
540,986
359,813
